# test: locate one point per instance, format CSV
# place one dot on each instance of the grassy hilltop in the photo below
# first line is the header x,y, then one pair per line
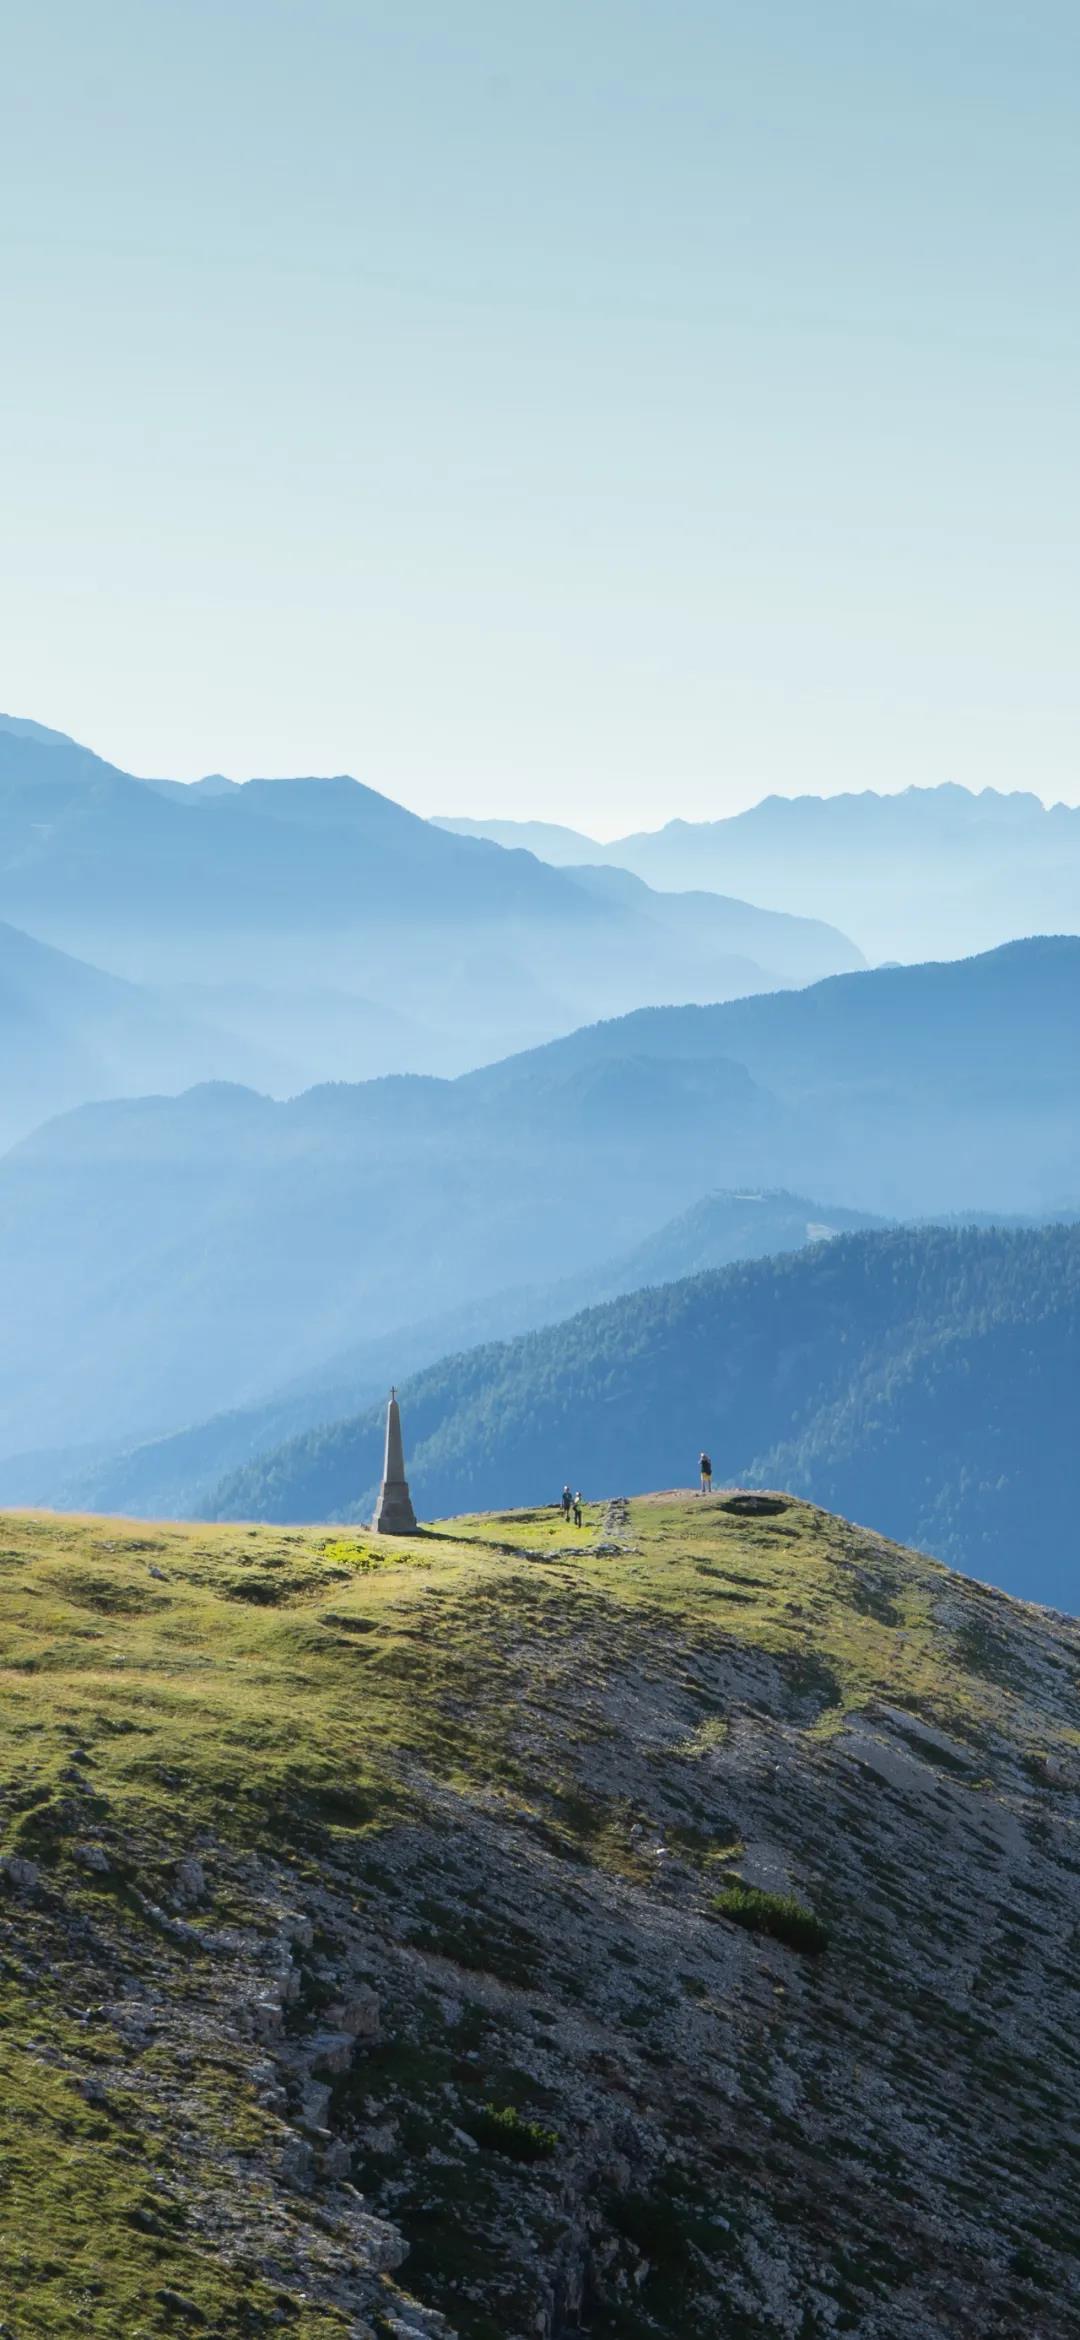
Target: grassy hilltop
x,y
922,1377
667,1929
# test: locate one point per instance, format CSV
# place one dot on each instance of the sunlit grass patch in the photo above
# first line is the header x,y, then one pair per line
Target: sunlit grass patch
x,y
709,1734
778,1915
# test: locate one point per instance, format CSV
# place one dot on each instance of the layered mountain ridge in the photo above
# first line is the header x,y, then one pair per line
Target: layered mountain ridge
x,y
270,1237
926,872
330,933
177,1476
923,1378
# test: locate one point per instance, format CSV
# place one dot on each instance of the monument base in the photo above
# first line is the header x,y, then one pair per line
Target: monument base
x,y
395,1515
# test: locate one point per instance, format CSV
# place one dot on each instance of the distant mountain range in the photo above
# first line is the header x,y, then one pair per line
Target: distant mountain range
x,y
320,931
167,1259
924,1379
929,873
69,1032
177,1475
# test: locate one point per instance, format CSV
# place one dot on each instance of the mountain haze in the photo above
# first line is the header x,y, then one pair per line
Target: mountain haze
x,y
270,1238
71,1032
935,872
922,1378
275,894
176,1476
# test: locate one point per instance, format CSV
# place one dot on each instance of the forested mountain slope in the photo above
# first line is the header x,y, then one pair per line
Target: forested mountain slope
x,y
176,1476
1001,1026
500,1934
271,1237
923,1378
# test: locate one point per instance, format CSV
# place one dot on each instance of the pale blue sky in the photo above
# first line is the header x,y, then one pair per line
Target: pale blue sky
x,y
597,409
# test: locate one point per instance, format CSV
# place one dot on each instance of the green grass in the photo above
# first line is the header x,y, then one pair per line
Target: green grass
x,y
777,1915
91,2229
312,1693
505,2130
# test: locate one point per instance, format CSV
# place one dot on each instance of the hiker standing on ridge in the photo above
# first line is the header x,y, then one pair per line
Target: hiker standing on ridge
x,y
705,1467
566,1499
577,1508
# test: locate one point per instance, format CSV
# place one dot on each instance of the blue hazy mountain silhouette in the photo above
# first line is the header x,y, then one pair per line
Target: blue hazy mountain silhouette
x,y
71,1032
923,1379
305,886
177,1474
934,872
268,1236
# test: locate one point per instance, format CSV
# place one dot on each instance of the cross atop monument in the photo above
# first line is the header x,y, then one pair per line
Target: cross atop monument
x,y
394,1514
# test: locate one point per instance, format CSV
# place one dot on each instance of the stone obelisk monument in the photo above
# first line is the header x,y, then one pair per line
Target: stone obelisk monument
x,y
394,1514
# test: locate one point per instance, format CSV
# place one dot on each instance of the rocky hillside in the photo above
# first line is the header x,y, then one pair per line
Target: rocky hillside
x,y
669,1929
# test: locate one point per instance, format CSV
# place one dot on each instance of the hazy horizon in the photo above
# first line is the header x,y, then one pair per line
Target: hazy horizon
x,y
658,817
546,414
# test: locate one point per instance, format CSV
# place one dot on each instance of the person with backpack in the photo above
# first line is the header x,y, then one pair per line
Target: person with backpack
x,y
577,1508
566,1499
705,1467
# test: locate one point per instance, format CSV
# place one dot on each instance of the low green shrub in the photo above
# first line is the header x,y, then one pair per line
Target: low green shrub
x,y
507,2131
778,1915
